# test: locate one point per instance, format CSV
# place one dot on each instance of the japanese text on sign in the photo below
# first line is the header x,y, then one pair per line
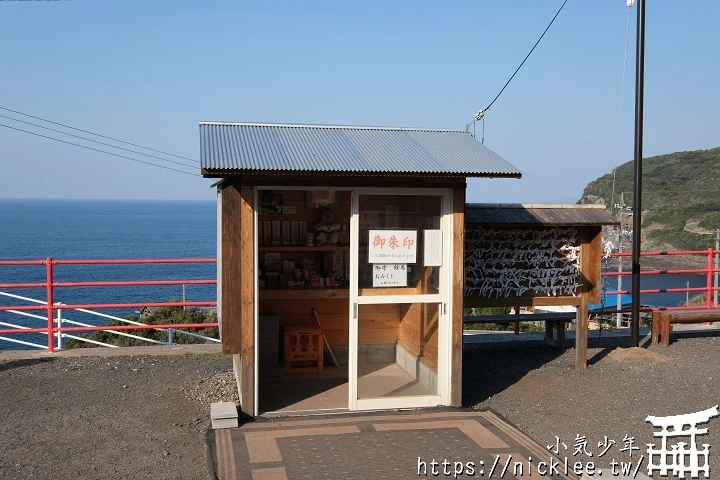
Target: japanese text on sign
x,y
389,275
392,246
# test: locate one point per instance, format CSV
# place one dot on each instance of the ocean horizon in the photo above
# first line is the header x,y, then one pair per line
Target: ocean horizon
x,y
65,229
76,229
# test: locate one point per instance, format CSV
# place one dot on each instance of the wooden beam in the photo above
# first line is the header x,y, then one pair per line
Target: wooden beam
x,y
335,180
247,300
458,282
591,268
471,302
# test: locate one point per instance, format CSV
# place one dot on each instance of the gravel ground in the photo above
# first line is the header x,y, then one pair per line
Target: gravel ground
x,y
537,390
144,417
109,418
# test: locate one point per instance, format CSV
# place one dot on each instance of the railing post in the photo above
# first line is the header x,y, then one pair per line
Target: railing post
x,y
59,326
709,289
49,291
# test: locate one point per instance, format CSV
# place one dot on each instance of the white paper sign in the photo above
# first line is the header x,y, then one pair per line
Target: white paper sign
x,y
432,256
389,275
392,246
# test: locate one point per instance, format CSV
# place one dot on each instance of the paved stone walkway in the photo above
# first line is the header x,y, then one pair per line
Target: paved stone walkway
x,y
449,443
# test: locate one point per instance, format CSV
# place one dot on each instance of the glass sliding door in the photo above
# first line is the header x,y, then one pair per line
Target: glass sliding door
x,y
400,282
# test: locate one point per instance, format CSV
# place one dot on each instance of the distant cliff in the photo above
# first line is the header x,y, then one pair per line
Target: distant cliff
x,y
680,199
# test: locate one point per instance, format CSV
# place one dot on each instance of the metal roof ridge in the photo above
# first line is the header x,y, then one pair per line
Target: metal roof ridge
x,y
355,127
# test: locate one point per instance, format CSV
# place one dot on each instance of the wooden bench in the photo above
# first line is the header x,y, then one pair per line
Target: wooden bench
x,y
553,321
661,321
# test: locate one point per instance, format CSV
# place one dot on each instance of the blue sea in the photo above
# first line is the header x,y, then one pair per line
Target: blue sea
x,y
115,229
104,229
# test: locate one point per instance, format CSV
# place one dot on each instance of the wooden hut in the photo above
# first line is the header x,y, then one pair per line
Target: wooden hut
x,y
342,245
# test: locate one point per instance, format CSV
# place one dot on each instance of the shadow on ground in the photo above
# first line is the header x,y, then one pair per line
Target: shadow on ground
x,y
489,369
9,365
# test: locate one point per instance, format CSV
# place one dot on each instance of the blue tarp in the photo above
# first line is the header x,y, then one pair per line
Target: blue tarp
x,y
610,302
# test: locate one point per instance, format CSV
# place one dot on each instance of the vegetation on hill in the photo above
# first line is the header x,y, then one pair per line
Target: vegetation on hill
x,y
678,189
161,316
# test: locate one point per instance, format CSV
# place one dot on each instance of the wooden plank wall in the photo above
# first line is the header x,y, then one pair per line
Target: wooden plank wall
x,y
231,269
237,288
458,282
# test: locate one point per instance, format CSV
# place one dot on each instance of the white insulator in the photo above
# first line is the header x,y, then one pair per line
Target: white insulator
x,y
630,3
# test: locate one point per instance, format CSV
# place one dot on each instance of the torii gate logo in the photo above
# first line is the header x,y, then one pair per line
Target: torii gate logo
x,y
682,460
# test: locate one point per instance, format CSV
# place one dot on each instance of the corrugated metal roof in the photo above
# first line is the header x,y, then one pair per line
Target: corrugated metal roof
x,y
238,147
537,215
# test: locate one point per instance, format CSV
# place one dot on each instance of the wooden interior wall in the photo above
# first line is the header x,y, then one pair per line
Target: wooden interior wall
x,y
419,332
377,324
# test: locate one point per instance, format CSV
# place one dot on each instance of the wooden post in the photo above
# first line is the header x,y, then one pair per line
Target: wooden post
x,y
231,269
591,248
247,300
458,282
581,333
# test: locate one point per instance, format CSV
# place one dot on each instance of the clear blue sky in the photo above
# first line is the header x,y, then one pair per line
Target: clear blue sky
x,y
148,72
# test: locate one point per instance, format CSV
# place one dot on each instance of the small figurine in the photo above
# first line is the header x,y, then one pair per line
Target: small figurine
x,y
327,230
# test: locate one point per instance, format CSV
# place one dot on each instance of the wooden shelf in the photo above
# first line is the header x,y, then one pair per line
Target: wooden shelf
x,y
288,248
300,294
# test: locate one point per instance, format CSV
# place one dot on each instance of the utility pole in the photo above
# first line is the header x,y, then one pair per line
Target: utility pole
x,y
621,208
717,262
637,194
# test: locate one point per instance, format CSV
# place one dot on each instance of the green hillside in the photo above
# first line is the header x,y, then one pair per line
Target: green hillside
x,y
678,188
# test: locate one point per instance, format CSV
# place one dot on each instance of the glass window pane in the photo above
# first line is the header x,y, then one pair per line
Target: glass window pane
x,y
398,350
393,230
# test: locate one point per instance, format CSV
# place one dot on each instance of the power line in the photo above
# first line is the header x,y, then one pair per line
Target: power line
x,y
481,113
622,89
99,142
96,134
97,150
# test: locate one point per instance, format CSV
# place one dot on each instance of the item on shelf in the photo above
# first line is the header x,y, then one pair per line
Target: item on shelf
x,y
276,232
322,198
286,238
294,236
271,202
266,233
309,240
327,229
273,262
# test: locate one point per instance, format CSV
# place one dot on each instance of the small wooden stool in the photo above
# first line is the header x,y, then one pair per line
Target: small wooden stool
x,y
303,349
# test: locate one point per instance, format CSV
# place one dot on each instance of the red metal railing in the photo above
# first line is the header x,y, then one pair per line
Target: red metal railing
x,y
50,306
708,271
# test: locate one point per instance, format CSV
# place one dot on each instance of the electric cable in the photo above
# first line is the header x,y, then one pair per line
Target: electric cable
x,y
99,142
98,150
481,113
96,134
